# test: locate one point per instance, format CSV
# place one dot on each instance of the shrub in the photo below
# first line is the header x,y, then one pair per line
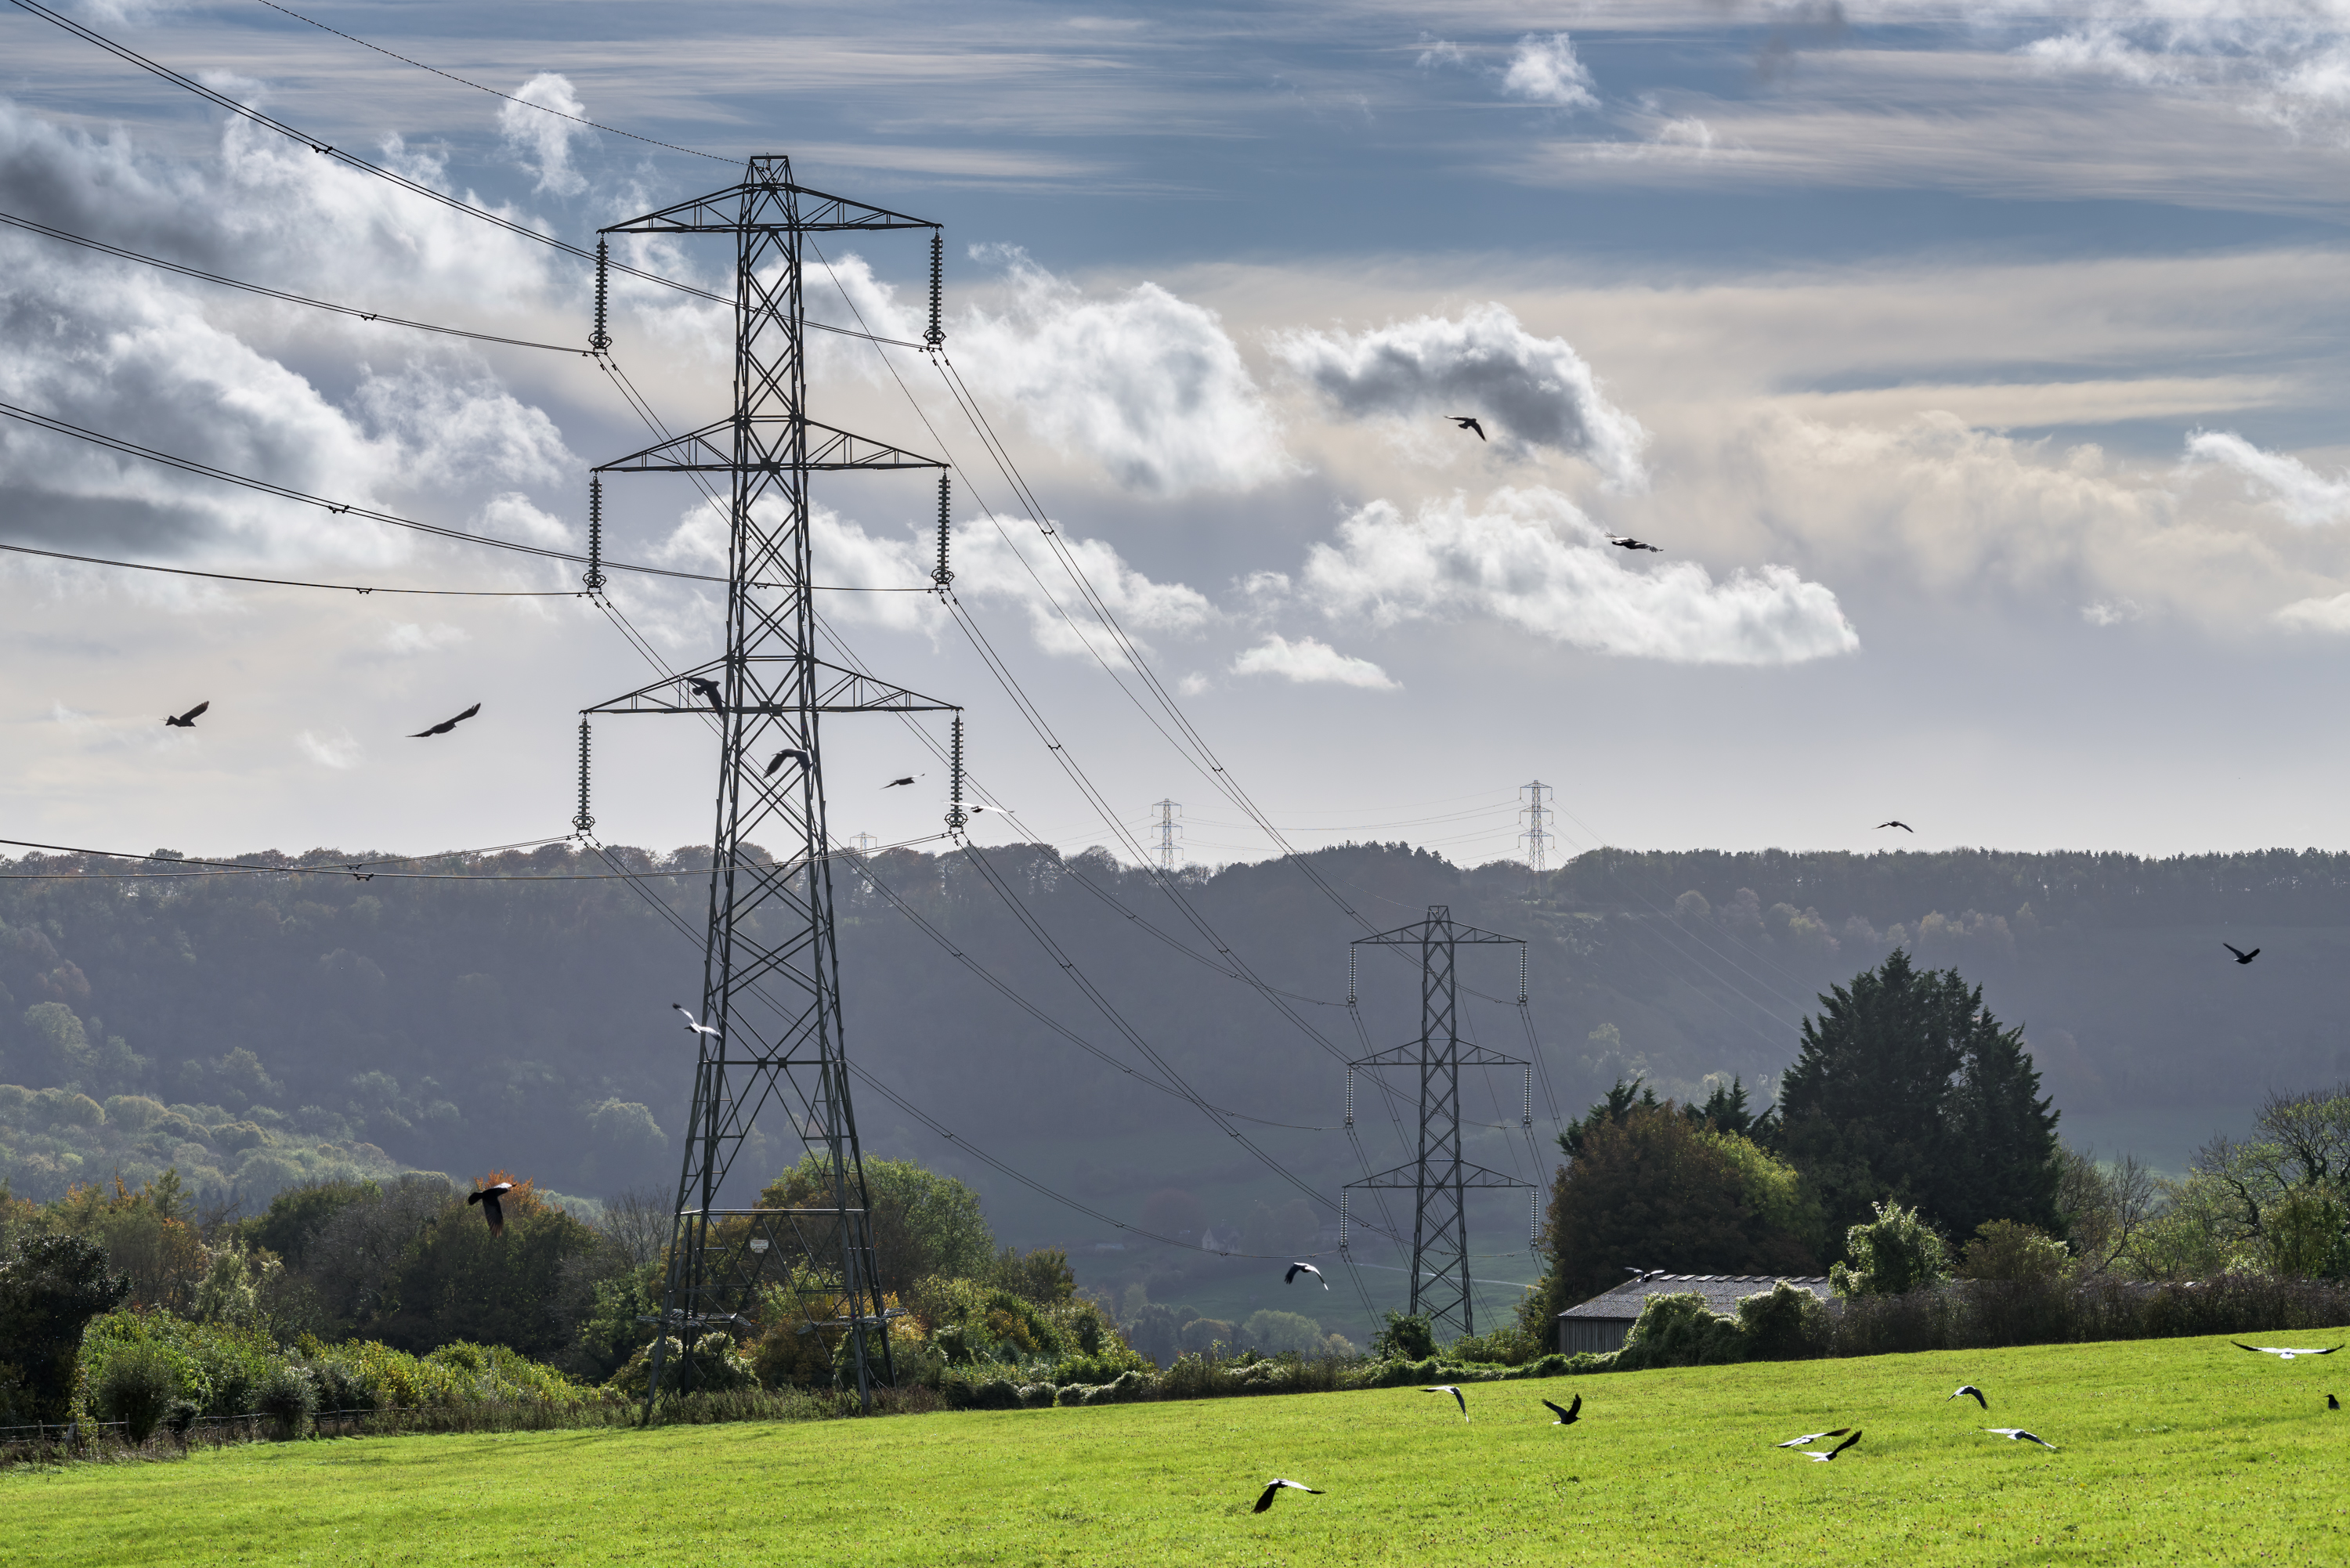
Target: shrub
x,y
1784,1323
138,1386
1404,1339
2004,1250
288,1398
1891,1254
180,1416
1681,1330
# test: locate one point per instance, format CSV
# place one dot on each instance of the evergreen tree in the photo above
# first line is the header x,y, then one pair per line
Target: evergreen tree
x,y
1908,1090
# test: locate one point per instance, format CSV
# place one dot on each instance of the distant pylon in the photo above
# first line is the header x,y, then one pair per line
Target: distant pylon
x,y
1537,836
1171,854
863,843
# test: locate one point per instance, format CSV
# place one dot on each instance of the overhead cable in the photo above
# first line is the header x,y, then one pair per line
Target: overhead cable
x,y
289,583
493,92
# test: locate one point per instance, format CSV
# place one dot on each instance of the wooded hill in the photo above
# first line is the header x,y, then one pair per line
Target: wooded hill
x,y
459,1025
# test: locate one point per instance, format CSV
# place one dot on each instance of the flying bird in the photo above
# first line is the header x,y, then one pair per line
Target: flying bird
x,y
893,784
691,1024
1811,1438
1468,423
1296,1269
1625,542
1896,822
1966,1388
2280,1354
1273,1489
357,875
2242,956
1840,1447
445,726
488,1198
777,759
1567,1418
187,721
708,689
1642,1276
1448,1389
2018,1435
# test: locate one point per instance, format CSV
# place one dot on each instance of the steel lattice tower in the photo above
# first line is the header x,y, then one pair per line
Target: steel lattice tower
x,y
771,982
1439,1178
1537,836
1169,854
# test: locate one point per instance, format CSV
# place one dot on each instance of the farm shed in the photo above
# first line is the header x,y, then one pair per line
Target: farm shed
x,y
1602,1323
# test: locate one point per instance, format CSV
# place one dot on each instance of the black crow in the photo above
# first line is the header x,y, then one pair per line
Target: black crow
x,y
1567,1418
1625,542
1468,422
1966,1388
708,689
1273,1489
445,726
488,1198
1896,822
1296,1269
2242,956
2332,1403
187,721
893,784
777,759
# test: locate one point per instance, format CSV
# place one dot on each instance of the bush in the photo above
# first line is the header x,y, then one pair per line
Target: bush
x,y
1894,1253
288,1398
1681,1330
138,1386
1404,1339
1786,1323
2004,1250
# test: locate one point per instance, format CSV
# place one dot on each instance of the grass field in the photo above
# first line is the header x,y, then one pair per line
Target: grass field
x,y
2172,1452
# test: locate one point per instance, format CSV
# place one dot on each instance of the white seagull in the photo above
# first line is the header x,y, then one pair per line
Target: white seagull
x,y
699,1028
2282,1354
1273,1489
1448,1389
2018,1435
1296,1269
1837,1450
1811,1438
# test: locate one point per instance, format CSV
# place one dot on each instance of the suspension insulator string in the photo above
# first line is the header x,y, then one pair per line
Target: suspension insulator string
x,y
937,335
956,817
583,824
600,339
941,574
595,574
1350,974
1350,1097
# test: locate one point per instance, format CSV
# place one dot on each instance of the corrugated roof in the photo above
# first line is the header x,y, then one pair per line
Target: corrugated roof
x,y
1722,1292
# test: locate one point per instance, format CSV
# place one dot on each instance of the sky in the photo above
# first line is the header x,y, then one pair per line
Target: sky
x,y
1975,368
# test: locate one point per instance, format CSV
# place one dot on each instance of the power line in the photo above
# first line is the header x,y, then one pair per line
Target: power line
x,y
352,868
493,92
353,310
289,583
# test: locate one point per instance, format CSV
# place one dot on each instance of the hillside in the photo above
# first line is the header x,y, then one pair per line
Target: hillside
x,y
461,1025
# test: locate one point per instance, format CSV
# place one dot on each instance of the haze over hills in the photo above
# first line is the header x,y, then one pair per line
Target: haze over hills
x,y
524,1023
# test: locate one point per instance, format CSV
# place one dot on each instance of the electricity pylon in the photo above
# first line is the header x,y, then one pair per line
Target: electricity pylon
x,y
1537,836
771,966
1438,1178
1170,852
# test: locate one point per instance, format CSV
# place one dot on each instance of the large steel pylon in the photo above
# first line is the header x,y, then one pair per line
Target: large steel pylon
x,y
1438,1178
771,982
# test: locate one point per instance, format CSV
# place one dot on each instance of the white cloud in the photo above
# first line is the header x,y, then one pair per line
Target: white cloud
x,y
1533,391
1533,560
1310,661
2326,615
1546,71
1436,52
338,751
411,637
2110,612
1148,387
985,567
2301,493
542,140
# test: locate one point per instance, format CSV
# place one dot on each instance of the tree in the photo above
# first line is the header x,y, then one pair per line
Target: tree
x,y
1652,1189
1894,1252
923,1223
458,1280
1907,1089
50,1287
2279,1200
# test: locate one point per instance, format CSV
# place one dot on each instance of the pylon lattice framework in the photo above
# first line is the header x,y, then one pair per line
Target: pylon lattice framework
x,y
1438,1178
771,981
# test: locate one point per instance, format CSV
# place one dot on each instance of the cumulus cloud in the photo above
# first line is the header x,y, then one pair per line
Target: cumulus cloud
x,y
338,751
2325,614
543,142
986,566
1310,661
1147,385
1533,391
2110,612
1546,71
1531,558
2305,496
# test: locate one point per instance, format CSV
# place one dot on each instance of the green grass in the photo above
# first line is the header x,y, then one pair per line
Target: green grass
x,y
2172,1451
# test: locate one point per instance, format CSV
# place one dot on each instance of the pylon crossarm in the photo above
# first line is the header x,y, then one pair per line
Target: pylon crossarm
x,y
1416,1055
1408,1177
711,450
710,215
836,690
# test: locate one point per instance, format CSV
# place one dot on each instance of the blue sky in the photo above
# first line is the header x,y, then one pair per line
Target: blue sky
x,y
1978,369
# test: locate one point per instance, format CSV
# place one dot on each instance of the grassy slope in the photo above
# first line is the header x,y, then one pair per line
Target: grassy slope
x,y
2177,1451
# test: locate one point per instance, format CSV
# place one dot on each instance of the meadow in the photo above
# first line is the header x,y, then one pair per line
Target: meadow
x,y
2170,1451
